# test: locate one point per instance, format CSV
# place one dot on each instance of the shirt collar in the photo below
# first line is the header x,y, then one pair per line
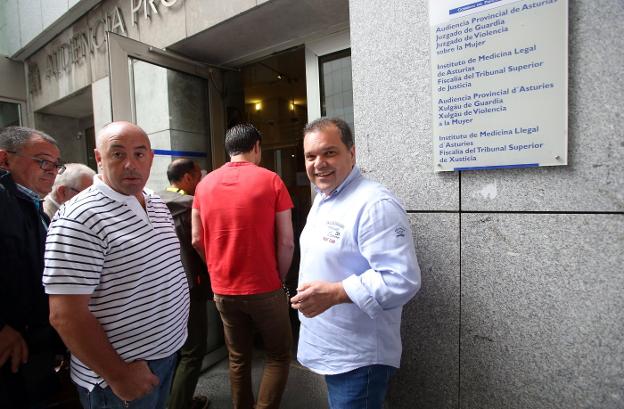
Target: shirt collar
x,y
32,195
354,174
239,163
99,184
175,190
54,202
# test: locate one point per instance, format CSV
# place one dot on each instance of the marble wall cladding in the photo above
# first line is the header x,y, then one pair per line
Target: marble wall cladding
x,y
188,102
430,324
160,139
13,39
201,14
28,19
16,87
592,180
158,175
102,110
3,28
65,130
151,100
64,79
51,10
31,20
163,28
542,311
93,22
189,141
392,102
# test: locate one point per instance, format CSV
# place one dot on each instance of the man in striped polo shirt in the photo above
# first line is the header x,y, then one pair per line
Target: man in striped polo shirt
x,y
118,292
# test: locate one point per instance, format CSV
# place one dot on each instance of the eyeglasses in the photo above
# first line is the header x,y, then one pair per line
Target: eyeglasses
x,y
43,163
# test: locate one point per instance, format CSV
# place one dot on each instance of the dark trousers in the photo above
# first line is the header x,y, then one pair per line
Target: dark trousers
x,y
268,314
192,353
33,386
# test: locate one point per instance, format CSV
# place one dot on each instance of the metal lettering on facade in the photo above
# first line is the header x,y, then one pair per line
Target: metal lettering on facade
x,y
149,8
86,43
34,79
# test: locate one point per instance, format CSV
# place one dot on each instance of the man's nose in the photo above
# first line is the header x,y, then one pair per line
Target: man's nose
x,y
130,163
319,162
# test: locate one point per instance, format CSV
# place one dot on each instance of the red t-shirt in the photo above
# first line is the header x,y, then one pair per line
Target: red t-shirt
x,y
237,204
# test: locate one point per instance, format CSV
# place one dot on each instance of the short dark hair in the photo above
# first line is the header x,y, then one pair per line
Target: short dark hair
x,y
178,168
13,138
323,123
241,138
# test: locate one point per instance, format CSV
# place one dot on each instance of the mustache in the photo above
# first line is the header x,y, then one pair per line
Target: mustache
x,y
131,174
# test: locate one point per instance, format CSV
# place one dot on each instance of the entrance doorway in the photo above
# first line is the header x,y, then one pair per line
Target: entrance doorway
x,y
274,97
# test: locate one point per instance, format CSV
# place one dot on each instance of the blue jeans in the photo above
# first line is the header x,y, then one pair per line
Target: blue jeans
x,y
362,388
100,398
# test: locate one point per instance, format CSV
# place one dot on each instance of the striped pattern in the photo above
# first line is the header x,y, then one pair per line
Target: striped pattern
x,y
139,293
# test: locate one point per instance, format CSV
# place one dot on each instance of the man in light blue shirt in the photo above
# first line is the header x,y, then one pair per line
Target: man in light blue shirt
x,y
358,269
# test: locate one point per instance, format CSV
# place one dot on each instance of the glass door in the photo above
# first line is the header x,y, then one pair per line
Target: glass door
x,y
174,99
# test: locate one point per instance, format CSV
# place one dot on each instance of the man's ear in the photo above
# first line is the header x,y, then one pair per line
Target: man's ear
x,y
98,158
61,190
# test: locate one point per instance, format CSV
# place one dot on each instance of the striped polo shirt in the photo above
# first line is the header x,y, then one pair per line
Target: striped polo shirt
x,y
104,243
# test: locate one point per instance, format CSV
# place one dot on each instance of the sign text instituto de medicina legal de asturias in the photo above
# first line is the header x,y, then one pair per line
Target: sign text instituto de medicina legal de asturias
x,y
499,70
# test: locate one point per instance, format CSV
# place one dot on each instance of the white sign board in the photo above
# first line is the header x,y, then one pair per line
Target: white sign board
x,y
499,72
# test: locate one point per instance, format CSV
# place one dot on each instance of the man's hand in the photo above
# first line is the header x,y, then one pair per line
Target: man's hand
x,y
136,382
13,346
316,297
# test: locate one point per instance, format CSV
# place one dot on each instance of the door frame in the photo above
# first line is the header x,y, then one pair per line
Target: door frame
x,y
313,51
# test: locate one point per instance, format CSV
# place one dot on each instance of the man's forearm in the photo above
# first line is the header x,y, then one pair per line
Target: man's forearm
x,y
285,242
284,258
85,338
199,248
197,234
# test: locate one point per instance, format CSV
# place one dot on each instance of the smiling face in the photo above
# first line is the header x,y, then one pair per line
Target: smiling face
x,y
124,157
328,160
26,171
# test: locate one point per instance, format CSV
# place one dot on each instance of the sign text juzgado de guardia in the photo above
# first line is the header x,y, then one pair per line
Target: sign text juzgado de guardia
x,y
499,81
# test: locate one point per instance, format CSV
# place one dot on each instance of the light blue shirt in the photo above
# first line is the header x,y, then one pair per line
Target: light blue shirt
x,y
359,234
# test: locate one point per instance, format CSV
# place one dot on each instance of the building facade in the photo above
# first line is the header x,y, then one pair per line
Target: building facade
x,y
521,305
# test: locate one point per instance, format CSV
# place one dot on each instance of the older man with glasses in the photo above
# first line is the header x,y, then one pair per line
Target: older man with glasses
x,y
29,164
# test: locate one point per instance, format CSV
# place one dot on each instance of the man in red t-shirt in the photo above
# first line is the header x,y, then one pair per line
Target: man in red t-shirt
x,y
242,227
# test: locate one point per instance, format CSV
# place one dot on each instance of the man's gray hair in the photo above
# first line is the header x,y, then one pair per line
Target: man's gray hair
x,y
74,172
13,138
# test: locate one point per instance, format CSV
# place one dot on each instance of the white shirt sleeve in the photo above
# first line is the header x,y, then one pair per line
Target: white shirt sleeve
x,y
385,241
74,257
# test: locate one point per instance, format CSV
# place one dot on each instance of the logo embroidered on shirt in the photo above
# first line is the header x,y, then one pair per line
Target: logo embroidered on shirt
x,y
334,231
400,231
